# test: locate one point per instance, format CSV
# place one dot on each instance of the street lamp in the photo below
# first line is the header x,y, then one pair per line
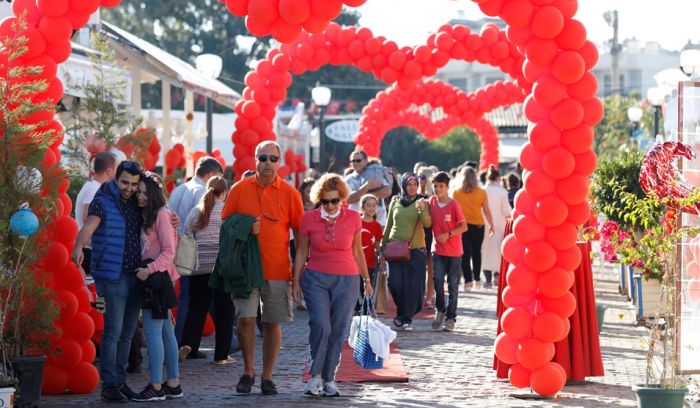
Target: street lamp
x,y
690,63
655,95
634,114
210,66
321,96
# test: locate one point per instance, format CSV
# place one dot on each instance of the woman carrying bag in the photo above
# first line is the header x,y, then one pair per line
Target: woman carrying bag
x,y
404,248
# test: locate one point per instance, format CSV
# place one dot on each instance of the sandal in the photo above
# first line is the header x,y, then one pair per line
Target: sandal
x,y
229,360
398,323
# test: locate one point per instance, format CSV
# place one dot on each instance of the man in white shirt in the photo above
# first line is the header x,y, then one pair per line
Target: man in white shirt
x,y
104,167
367,178
182,200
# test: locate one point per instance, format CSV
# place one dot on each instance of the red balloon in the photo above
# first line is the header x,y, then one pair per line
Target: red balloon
x,y
527,229
517,14
589,53
68,303
548,91
572,36
539,256
326,9
547,22
67,231
568,114
541,52
28,6
547,380
521,279
36,45
83,379
208,328
578,140
593,111
68,277
530,157
263,11
564,306
569,259
562,236
558,163
283,31
506,348
568,67
573,189
512,249
79,328
555,282
89,351
53,8
172,158
519,376
516,322
524,203
551,211
544,136
512,298
533,353
237,7
84,6
538,184
294,11
56,30
66,354
59,53
586,163
547,327
55,379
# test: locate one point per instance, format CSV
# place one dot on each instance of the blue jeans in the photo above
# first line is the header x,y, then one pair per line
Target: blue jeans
x,y
330,300
407,285
162,346
122,306
447,267
183,306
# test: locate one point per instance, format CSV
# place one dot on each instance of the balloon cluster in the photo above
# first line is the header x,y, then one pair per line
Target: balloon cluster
x,y
266,86
142,146
285,19
557,161
396,107
174,158
293,164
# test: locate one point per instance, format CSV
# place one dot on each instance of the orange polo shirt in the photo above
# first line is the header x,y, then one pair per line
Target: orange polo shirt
x,y
280,208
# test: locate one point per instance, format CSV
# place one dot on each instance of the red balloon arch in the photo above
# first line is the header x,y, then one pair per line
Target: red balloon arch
x,y
396,107
542,36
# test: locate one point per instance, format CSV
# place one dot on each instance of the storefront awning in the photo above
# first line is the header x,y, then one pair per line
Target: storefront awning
x,y
146,56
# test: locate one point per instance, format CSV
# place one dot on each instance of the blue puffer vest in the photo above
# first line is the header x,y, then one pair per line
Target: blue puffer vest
x,y
109,238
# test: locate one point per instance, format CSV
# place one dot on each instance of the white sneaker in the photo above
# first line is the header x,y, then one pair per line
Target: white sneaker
x,y
407,327
314,387
476,285
330,389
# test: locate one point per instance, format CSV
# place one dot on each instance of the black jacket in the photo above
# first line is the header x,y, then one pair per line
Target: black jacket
x,y
159,293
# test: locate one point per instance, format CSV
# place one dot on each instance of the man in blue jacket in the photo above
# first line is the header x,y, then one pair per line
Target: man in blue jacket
x,y
114,227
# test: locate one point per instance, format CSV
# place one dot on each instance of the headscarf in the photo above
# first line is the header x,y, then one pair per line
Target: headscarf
x,y
405,199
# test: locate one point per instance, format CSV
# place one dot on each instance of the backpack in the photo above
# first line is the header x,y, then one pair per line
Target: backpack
x,y
186,261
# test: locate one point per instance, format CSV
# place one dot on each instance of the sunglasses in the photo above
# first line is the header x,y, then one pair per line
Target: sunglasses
x,y
333,201
263,158
356,160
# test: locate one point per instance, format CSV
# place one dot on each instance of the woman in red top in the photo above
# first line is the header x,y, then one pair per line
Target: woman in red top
x,y
330,238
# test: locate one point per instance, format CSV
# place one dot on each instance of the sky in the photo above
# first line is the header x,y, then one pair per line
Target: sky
x,y
669,22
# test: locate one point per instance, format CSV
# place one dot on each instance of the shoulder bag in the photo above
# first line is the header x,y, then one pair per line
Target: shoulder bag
x,y
186,254
400,251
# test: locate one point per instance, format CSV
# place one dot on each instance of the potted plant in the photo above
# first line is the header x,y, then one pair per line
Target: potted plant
x,y
29,181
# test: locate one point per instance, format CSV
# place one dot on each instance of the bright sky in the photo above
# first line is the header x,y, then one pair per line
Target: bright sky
x,y
668,22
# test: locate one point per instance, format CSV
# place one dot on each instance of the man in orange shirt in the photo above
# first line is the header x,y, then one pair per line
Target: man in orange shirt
x,y
278,207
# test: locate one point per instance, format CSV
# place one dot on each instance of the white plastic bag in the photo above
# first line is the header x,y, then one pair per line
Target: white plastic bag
x,y
380,335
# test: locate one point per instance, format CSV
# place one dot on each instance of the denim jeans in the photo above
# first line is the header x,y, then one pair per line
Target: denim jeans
x,y
183,306
329,300
162,346
122,305
407,285
447,267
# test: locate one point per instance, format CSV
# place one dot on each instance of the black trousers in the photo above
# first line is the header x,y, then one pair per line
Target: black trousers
x,y
471,259
407,285
200,300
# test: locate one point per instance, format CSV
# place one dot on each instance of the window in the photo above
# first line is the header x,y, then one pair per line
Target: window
x,y
607,85
460,83
623,89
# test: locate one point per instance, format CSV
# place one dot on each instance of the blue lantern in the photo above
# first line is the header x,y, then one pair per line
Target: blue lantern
x,y
24,223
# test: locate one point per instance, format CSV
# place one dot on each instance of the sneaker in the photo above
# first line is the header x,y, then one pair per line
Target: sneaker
x,y
172,392
113,394
150,394
407,327
330,389
476,285
468,286
184,352
438,320
398,323
314,387
245,384
449,325
268,387
488,285
128,392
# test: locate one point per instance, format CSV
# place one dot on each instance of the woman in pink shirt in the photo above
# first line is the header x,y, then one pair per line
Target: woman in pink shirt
x,y
159,243
330,238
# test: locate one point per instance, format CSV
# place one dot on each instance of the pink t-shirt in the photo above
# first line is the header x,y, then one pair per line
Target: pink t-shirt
x,y
446,219
330,246
160,244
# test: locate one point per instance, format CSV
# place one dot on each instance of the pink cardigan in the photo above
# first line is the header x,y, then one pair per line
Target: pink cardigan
x,y
160,244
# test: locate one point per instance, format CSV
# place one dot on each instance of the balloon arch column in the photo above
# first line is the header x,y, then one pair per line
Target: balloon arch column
x,y
542,37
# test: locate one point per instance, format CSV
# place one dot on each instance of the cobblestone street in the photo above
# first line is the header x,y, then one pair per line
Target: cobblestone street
x,y
445,369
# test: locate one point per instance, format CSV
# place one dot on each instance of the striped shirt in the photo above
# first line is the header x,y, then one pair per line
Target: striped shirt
x,y
207,238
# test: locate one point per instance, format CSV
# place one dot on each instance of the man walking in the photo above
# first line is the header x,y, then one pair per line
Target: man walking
x,y
278,207
367,178
114,226
104,166
185,197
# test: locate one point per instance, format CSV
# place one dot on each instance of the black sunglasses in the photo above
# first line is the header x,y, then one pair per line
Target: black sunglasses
x,y
356,160
333,201
263,158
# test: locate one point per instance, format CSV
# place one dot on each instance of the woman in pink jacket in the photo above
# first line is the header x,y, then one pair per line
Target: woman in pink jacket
x,y
159,243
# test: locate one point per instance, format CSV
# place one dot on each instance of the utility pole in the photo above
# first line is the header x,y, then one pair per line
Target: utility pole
x,y
611,18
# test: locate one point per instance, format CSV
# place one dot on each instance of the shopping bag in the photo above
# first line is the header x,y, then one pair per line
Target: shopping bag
x,y
363,354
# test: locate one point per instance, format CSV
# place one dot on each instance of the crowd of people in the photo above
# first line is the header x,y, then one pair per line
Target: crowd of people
x,y
263,246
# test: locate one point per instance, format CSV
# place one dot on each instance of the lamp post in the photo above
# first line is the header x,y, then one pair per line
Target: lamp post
x,y
690,63
634,114
655,95
611,17
209,65
321,96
